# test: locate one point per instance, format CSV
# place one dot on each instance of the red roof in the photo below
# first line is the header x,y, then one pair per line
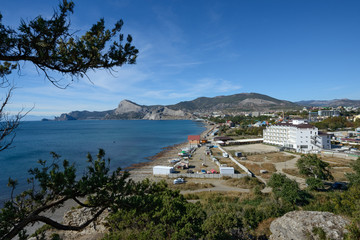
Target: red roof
x,y
194,137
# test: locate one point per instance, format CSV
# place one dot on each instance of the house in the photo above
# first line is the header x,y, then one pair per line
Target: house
x,y
194,139
229,123
296,134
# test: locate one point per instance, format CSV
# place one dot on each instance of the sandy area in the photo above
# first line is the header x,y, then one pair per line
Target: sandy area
x,y
145,170
252,148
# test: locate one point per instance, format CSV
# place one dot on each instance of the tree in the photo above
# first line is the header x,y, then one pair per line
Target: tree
x,y
52,185
286,189
50,46
8,124
161,215
354,178
311,165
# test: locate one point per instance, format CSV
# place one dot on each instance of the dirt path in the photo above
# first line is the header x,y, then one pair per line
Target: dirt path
x,y
290,164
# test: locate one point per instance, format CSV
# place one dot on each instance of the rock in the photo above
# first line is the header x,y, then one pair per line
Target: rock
x,y
300,225
77,217
64,117
126,106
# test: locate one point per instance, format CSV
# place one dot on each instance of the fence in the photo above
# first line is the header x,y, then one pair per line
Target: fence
x,y
196,175
249,173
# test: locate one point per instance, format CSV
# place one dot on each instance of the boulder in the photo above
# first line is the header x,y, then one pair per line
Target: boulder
x,y
303,225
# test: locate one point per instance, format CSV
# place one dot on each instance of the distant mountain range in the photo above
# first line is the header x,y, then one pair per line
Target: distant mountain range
x,y
243,102
237,103
330,103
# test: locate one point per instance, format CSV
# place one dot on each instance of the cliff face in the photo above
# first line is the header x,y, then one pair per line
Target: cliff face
x,y
130,110
162,113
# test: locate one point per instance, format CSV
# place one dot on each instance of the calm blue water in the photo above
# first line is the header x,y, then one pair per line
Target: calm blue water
x,y
125,142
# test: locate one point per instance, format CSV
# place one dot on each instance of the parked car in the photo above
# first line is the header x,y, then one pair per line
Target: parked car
x,y
339,186
179,181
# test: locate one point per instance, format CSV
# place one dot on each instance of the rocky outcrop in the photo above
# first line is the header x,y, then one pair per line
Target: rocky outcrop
x,y
162,113
126,106
304,225
64,117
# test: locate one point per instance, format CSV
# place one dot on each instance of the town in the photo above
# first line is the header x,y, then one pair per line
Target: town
x,y
260,144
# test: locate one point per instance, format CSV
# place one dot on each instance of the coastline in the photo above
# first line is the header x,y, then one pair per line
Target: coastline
x,y
138,171
141,171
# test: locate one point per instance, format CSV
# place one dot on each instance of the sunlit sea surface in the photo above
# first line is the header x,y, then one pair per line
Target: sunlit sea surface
x,y
125,142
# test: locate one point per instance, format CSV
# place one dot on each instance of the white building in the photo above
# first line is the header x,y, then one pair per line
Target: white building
x,y
297,134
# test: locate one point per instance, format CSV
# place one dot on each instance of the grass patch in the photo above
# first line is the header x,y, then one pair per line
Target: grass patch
x,y
279,157
190,186
339,173
245,182
293,172
217,196
264,227
256,158
253,167
269,167
340,161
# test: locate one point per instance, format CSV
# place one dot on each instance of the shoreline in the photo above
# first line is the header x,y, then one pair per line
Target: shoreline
x,y
141,171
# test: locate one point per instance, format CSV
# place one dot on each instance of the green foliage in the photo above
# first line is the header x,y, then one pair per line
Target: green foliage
x,y
49,45
354,178
245,182
161,215
253,131
52,185
333,123
314,183
348,203
354,231
312,166
286,189
222,225
318,231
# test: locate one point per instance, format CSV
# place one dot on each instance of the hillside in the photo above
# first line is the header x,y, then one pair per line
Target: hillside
x,y
330,103
236,102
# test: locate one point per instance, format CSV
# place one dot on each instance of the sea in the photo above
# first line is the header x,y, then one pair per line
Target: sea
x,y
125,142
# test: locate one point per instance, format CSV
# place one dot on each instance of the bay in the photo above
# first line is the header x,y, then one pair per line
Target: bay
x,y
125,142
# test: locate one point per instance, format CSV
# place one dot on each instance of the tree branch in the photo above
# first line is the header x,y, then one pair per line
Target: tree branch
x,y
37,218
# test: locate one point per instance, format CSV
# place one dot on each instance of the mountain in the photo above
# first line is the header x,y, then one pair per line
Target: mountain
x,y
131,110
243,102
236,102
330,103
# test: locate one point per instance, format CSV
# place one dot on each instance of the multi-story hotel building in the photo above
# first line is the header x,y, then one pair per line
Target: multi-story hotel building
x,y
298,135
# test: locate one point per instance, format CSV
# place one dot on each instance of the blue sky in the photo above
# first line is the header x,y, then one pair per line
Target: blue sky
x,y
292,50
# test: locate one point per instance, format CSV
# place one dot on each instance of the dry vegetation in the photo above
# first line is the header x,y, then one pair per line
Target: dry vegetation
x,y
264,227
190,186
269,167
206,196
245,182
293,172
339,174
337,162
279,157
253,167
